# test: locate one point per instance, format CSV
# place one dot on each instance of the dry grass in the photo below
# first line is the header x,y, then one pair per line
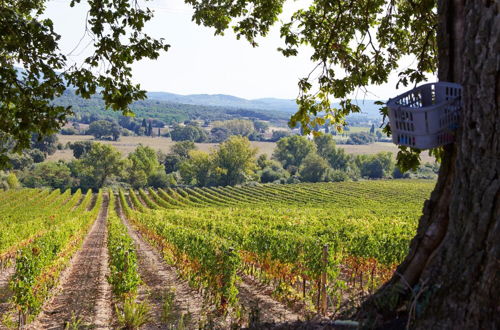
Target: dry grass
x,y
127,144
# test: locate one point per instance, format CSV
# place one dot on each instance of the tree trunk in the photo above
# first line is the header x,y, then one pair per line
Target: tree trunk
x,y
451,276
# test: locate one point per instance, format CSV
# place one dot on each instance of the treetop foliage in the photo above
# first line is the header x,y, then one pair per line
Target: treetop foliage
x,y
355,44
29,41
366,39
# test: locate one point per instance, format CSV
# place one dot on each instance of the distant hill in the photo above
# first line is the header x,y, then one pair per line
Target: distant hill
x,y
368,107
222,100
177,107
166,110
171,108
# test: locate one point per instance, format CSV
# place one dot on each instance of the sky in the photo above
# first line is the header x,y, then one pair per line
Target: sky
x,y
199,62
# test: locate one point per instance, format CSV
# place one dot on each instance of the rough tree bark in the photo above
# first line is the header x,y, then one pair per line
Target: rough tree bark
x,y
451,276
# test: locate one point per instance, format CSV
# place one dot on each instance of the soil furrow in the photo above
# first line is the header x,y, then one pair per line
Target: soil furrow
x,y
160,279
139,197
82,198
5,292
256,300
83,294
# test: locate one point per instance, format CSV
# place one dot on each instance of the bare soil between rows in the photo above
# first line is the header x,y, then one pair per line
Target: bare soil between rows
x,y
160,278
5,292
252,296
83,293
257,297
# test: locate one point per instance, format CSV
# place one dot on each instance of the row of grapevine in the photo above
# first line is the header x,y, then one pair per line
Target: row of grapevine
x,y
40,263
30,216
364,229
294,194
281,255
124,276
206,260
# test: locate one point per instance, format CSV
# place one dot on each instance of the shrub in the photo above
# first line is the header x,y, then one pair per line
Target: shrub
x,y
360,138
69,131
159,180
314,169
336,176
278,135
12,181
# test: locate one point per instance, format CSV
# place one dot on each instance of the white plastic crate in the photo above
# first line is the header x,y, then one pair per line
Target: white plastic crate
x,y
426,116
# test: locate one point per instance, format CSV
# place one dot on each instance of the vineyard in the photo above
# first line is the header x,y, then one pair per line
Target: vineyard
x,y
200,257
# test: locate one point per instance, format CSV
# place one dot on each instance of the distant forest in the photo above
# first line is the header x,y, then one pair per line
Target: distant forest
x,y
168,112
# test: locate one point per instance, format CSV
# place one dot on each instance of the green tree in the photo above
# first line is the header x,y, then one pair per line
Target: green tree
x,y
20,161
56,175
178,153
198,169
271,170
25,159
188,133
235,160
28,40
80,148
103,128
376,166
262,161
8,180
336,157
150,129
219,134
99,164
160,180
12,181
325,145
314,169
143,164
236,126
46,144
292,150
278,135
183,149
360,138
171,163
261,126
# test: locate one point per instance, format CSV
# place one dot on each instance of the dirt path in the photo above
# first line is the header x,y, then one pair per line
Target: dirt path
x,y
5,292
83,292
79,202
257,298
160,279
139,197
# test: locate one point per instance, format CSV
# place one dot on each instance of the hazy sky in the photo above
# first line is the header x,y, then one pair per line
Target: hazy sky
x,y
199,62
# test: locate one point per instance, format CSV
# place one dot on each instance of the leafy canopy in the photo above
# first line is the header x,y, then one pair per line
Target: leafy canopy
x,y
235,160
292,150
198,168
143,163
29,42
97,165
104,128
354,43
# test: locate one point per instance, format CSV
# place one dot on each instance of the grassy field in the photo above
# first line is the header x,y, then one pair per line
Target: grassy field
x,y
127,144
